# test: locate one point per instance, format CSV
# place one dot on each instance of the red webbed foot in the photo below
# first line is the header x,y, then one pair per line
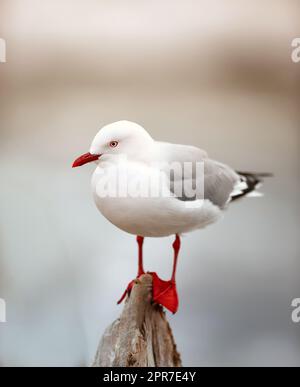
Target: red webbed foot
x,y
165,293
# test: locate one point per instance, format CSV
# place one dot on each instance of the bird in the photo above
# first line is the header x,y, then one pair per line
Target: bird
x,y
189,191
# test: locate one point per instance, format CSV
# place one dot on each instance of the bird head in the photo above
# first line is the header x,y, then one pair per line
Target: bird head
x,y
119,138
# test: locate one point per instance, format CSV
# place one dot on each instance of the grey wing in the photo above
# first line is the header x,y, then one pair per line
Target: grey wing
x,y
193,175
220,182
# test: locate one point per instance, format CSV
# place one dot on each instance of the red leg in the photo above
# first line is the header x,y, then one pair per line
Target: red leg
x,y
140,241
165,292
176,247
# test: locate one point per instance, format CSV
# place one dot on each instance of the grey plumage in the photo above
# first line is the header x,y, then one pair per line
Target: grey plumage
x,y
221,184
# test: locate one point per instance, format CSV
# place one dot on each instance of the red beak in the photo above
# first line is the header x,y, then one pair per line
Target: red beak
x,y
84,159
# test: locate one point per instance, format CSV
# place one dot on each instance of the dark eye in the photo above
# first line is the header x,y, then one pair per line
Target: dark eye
x,y
113,144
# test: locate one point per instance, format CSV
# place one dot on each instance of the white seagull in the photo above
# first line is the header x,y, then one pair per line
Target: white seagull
x,y
125,154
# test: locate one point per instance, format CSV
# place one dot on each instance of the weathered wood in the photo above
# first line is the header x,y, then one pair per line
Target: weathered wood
x,y
141,337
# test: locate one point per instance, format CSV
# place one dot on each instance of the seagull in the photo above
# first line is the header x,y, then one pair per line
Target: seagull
x,y
127,157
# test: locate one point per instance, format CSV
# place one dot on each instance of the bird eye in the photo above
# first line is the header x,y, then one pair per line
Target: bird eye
x,y
113,144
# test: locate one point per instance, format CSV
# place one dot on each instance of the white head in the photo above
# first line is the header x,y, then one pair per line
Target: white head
x,y
119,138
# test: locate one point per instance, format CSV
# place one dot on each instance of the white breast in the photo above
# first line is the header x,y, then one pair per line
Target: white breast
x,y
131,203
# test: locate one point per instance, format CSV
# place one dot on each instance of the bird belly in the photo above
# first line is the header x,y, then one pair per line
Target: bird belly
x,y
155,218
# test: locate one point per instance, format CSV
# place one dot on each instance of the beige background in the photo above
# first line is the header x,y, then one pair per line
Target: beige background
x,y
216,74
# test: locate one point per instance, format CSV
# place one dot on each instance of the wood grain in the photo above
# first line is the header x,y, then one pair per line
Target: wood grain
x,y
141,337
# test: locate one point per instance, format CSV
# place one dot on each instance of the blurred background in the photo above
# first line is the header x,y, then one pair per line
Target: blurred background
x,y
215,74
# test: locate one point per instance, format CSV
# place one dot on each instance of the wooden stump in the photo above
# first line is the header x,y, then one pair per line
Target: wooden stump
x,y
141,337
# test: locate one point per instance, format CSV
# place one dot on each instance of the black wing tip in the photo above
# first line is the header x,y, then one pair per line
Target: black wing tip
x,y
252,180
